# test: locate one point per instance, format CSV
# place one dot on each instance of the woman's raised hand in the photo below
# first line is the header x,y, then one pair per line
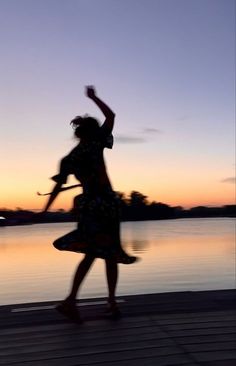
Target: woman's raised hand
x,y
108,113
90,91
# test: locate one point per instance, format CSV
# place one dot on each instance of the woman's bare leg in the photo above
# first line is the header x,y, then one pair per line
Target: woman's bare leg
x,y
80,274
112,276
68,306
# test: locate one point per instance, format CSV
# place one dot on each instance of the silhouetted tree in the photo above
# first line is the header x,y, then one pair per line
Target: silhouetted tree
x,y
229,210
137,199
161,210
122,198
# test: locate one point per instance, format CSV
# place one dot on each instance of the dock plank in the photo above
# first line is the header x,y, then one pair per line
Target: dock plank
x,y
157,329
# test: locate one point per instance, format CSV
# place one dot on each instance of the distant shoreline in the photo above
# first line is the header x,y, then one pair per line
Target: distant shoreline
x,y
128,214
134,207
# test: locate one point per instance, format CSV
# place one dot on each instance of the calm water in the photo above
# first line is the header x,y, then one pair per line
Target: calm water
x,y
177,255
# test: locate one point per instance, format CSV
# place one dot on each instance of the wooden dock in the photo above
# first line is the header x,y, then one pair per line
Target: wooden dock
x,y
184,328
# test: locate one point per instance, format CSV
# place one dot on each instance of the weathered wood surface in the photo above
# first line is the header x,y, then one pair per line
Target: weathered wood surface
x,y
185,328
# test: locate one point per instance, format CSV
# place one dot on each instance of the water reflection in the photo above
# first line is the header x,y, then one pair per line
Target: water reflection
x,y
176,255
136,246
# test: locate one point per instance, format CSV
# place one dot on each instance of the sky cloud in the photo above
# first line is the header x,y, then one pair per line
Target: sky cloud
x,y
229,180
184,117
126,139
151,130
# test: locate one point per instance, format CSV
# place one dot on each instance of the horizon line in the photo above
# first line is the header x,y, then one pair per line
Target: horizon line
x,y
68,210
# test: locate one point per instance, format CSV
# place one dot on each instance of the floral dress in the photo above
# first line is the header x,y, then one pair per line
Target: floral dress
x,y
97,209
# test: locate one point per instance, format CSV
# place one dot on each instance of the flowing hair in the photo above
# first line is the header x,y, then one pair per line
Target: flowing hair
x,y
85,126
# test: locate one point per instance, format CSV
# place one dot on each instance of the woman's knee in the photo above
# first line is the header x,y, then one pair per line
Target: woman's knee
x,y
111,262
88,258
57,244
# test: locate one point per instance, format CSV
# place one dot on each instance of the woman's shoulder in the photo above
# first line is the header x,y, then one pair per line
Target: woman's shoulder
x,y
106,137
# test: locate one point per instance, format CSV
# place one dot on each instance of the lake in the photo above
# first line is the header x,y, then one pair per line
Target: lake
x,y
176,255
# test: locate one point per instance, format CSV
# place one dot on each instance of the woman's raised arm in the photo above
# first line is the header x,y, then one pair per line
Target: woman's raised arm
x,y
108,113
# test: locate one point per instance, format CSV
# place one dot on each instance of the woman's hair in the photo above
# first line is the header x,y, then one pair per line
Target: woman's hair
x,y
85,126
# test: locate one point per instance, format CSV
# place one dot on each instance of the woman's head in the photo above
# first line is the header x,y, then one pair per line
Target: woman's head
x,y
85,127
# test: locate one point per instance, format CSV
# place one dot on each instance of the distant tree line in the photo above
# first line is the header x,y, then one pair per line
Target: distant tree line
x,y
135,207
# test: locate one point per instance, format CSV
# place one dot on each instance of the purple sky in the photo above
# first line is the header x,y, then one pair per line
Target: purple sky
x,y
166,67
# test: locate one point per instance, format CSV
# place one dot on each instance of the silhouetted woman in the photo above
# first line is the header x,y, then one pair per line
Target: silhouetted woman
x,y
97,211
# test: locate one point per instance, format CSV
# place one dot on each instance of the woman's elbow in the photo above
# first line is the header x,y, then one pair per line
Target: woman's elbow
x,y
112,115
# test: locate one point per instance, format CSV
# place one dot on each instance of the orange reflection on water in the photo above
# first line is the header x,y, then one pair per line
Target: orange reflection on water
x,y
176,255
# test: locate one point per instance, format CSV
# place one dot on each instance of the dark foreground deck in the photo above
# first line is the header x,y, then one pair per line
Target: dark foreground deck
x,y
185,328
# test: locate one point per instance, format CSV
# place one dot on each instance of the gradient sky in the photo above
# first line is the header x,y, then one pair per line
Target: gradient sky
x,y
167,69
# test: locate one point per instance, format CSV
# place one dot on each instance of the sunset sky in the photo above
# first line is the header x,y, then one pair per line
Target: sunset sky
x,y
166,68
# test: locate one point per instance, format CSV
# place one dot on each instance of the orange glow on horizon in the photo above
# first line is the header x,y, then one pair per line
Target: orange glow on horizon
x,y
29,200
167,186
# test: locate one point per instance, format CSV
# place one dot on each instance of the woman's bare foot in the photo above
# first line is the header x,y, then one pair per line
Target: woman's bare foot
x,y
126,259
70,311
113,311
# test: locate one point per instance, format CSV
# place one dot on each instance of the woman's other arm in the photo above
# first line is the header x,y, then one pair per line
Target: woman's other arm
x,y
60,179
56,190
